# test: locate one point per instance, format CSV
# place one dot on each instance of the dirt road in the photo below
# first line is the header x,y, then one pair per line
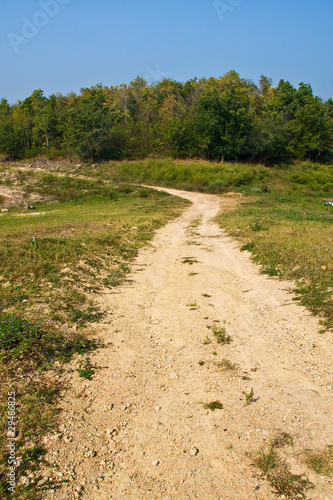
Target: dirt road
x,y
139,429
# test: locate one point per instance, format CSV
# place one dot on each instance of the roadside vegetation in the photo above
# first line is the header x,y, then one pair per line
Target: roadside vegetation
x,y
80,237
288,230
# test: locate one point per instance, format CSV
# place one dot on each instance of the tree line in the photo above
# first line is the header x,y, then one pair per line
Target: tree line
x,y
226,118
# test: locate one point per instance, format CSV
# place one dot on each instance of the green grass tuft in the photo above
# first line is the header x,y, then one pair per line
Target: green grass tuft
x,y
214,405
249,397
220,334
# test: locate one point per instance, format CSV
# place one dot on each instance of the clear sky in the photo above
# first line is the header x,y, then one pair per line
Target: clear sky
x,y
63,45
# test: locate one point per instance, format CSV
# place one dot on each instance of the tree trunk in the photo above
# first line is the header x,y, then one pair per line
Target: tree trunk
x,y
47,144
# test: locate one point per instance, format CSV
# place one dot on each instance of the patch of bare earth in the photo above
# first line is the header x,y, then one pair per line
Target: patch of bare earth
x,y
14,198
139,429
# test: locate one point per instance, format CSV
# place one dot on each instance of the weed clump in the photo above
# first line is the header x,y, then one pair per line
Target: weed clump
x,y
282,439
248,246
214,405
258,226
220,334
86,369
283,482
227,365
267,461
38,341
321,462
189,260
18,335
249,396
277,472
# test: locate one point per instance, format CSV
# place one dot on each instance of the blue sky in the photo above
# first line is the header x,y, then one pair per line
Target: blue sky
x,y
63,45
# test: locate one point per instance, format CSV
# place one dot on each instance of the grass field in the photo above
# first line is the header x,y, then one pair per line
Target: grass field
x,y
54,260
192,176
291,236
305,177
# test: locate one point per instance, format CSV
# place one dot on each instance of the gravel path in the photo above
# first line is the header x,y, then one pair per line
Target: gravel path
x,y
139,429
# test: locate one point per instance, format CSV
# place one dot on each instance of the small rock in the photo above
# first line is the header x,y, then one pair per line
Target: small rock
x,y
90,454
111,432
65,270
193,452
174,376
155,463
43,481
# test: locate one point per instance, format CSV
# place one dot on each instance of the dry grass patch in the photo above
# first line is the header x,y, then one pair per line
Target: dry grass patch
x,y
226,365
277,472
320,462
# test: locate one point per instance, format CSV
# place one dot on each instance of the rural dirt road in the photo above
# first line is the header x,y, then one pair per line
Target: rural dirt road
x,y
139,429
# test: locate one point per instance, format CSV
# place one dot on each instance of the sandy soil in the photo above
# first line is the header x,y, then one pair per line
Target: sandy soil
x,y
13,198
139,429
